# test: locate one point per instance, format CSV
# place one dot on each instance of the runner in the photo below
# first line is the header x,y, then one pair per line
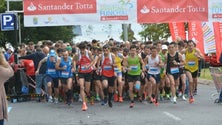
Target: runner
x,y
191,66
118,95
107,62
164,82
154,64
173,61
85,62
64,65
52,74
133,64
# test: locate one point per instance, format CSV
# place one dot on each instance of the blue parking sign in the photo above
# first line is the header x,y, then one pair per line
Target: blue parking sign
x,y
7,21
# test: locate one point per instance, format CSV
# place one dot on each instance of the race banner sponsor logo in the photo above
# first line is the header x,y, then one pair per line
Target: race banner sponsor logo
x,y
156,11
177,30
43,7
215,10
195,33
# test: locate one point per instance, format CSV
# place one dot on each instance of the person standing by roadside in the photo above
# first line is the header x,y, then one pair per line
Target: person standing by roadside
x,y
5,73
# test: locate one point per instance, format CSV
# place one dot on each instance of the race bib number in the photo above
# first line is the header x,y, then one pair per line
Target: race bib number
x,y
116,69
174,70
107,67
191,63
51,71
83,68
134,68
153,69
65,73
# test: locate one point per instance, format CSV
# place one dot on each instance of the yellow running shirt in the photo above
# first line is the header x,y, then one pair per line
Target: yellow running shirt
x,y
191,61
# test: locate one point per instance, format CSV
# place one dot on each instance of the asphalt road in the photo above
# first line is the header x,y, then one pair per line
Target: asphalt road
x,y
202,112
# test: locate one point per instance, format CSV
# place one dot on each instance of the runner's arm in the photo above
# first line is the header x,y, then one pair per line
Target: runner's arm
x,y
40,64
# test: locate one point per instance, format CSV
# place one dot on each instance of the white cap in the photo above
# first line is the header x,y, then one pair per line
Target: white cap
x,y
164,47
11,48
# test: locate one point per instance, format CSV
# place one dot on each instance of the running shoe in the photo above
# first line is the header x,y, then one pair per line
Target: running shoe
x,y
56,100
98,98
152,100
156,103
115,97
180,94
92,100
191,100
110,104
50,99
140,99
104,102
195,92
120,99
161,97
84,106
184,98
174,100
131,105
168,96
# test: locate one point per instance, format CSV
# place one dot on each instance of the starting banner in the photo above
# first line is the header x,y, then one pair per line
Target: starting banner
x,y
74,12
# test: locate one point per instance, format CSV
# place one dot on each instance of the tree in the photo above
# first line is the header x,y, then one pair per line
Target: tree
x,y
130,33
155,32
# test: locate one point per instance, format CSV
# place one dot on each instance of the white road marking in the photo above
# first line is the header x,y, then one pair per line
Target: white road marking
x,y
172,116
9,109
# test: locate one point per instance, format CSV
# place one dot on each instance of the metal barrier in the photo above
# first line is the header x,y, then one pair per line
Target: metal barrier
x,y
216,73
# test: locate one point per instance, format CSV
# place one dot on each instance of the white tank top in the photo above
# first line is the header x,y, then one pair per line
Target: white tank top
x,y
153,69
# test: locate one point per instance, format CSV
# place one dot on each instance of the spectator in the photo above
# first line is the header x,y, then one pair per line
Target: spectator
x,y
36,57
5,73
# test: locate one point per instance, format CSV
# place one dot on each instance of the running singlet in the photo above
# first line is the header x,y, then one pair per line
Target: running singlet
x,y
134,65
163,60
153,69
171,68
118,61
191,61
67,73
107,67
51,70
84,61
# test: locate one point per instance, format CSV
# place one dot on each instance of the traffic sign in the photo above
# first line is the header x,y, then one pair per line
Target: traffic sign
x,y
7,21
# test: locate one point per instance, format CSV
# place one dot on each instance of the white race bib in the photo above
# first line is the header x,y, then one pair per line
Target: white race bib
x,y
191,63
107,67
174,70
51,71
134,68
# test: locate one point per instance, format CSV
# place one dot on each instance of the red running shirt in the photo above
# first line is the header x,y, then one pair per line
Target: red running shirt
x,y
83,62
107,67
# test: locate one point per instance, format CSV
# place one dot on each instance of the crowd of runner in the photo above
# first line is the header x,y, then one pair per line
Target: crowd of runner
x,y
110,71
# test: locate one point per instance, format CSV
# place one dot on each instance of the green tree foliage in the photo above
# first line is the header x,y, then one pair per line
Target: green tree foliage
x,y
130,33
155,32
34,34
